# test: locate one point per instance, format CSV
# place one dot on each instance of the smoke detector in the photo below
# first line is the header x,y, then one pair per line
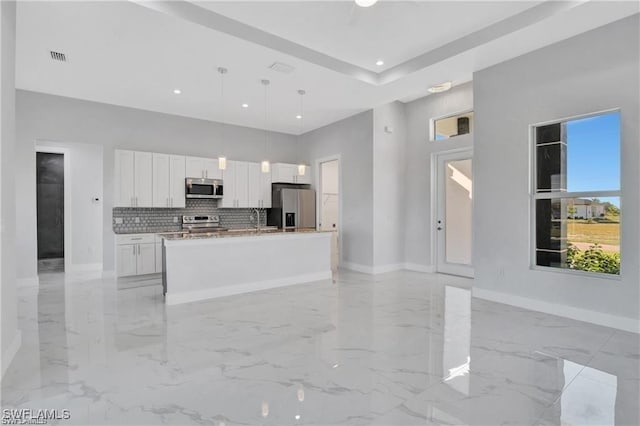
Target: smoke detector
x,y
282,67
57,56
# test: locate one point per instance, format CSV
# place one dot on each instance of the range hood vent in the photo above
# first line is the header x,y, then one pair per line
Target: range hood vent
x,y
57,56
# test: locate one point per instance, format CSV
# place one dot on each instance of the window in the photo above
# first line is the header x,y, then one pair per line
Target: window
x,y
451,126
577,194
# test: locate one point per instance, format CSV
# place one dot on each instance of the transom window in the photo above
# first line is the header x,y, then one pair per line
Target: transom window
x,y
452,126
577,194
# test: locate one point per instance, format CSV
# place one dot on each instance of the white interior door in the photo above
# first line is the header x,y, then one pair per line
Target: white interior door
x,y
454,208
328,204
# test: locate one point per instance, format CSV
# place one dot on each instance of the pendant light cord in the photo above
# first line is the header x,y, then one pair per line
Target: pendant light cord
x,y
301,92
222,72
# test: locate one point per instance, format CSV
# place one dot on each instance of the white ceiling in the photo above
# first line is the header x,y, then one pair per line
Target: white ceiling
x,y
392,31
134,55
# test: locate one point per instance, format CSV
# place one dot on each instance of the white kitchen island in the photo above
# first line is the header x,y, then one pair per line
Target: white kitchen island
x,y
198,267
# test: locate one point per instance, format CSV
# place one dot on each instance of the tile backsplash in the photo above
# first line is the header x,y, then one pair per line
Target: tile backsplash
x,y
141,220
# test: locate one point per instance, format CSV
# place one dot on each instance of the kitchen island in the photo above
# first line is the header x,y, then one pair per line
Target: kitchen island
x,y
205,266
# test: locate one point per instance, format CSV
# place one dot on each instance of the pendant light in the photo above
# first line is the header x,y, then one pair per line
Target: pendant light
x,y
265,166
302,168
222,159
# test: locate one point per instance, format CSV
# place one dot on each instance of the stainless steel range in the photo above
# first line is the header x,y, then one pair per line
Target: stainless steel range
x,y
202,224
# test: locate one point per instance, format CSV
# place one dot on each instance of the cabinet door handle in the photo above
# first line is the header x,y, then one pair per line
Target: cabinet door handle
x,y
134,249
171,201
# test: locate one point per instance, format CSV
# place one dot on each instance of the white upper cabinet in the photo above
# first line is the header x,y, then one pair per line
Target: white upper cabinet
x,y
133,179
168,180
288,173
178,175
236,185
161,180
124,196
259,187
211,170
197,167
143,181
265,190
306,178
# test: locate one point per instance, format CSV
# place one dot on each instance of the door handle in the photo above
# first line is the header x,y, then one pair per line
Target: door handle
x,y
439,228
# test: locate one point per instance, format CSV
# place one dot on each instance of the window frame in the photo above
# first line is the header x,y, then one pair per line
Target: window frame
x,y
432,124
550,195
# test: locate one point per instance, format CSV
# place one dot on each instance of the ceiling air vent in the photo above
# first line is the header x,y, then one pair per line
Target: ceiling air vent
x,y
57,56
283,68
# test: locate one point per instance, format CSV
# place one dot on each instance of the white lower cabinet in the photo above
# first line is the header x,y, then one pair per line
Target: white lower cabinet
x,y
126,259
135,254
158,256
146,260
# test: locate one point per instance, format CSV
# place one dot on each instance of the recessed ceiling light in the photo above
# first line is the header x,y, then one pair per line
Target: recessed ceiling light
x,y
379,62
299,117
366,3
245,105
442,87
177,91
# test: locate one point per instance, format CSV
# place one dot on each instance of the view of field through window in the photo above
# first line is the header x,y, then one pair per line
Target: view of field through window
x,y
579,156
593,163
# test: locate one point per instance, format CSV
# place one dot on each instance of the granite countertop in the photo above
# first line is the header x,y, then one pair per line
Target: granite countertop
x,y
238,233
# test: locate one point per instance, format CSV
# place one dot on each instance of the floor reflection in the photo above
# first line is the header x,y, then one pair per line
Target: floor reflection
x,y
398,348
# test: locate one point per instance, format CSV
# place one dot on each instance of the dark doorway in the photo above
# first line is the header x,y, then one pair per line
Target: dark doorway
x,y
50,205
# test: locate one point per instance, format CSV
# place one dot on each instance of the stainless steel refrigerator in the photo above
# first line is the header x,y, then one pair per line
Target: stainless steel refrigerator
x,y
292,206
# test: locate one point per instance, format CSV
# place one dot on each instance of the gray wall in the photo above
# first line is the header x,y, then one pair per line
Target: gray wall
x,y
8,302
592,72
388,186
66,120
417,241
352,138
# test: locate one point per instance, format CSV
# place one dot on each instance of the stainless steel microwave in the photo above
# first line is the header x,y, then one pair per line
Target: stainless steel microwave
x,y
203,188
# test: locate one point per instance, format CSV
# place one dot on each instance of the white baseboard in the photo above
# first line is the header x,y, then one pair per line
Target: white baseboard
x,y
10,353
381,269
419,268
607,320
365,269
28,282
85,267
193,296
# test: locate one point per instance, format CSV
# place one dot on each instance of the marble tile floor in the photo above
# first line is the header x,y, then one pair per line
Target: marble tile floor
x,y
401,348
